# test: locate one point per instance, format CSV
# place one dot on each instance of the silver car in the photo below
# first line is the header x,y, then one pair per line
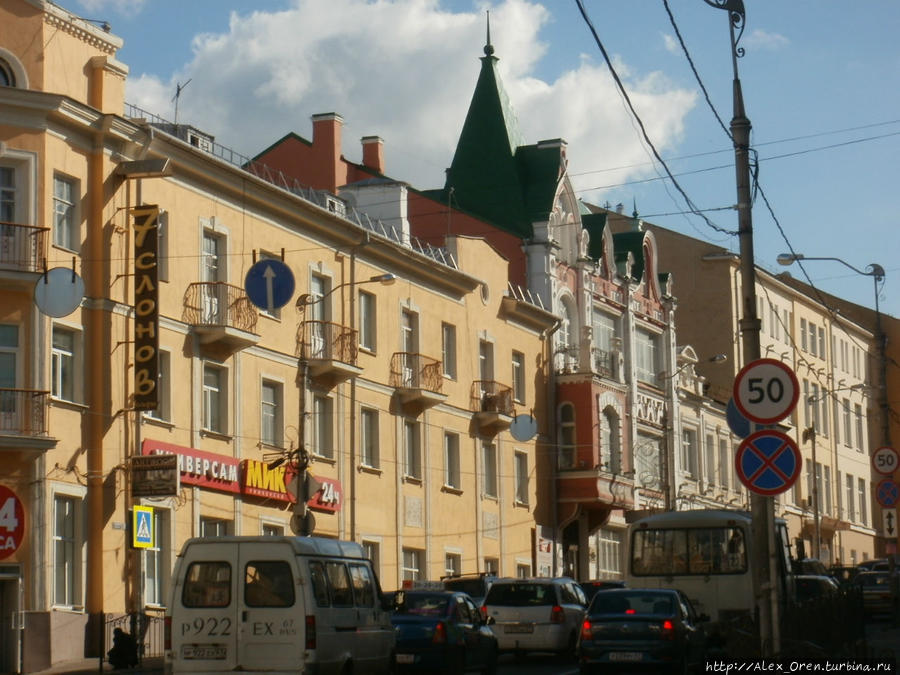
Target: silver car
x,y
535,615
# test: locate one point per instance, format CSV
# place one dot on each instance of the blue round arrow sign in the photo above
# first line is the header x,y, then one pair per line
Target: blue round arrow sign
x,y
768,462
269,284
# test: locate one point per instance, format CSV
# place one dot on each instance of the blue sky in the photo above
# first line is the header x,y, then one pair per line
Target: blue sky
x,y
820,81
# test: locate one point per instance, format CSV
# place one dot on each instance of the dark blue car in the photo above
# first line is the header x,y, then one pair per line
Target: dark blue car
x,y
442,632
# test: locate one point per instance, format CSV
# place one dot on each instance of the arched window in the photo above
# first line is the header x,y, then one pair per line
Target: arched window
x,y
568,330
566,459
610,447
7,77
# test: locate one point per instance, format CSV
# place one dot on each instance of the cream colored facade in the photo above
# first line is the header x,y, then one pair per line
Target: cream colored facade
x,y
402,394
831,368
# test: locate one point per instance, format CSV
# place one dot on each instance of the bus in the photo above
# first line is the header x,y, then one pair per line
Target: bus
x,y
707,554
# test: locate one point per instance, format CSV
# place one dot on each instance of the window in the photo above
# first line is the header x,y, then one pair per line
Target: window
x,y
521,469
489,456
413,561
7,78
272,530
412,451
215,397
451,461
566,436
859,427
67,545
452,564
370,551
368,321
609,441
609,553
448,350
848,428
339,583
523,570
518,377
213,272
207,584
9,348
363,585
689,451
368,433
323,423
804,343
491,566
812,338
861,491
62,366
164,377
710,472
65,225
214,527
850,497
645,356
486,361
156,561
7,194
268,583
821,342
270,413
827,489
604,331
723,462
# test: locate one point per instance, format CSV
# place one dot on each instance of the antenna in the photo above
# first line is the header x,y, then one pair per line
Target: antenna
x,y
178,89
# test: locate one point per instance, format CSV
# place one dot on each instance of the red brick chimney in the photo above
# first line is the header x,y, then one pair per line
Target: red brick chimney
x,y
326,151
373,153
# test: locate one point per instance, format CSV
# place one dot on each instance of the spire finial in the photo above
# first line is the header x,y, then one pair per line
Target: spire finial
x,y
488,47
635,221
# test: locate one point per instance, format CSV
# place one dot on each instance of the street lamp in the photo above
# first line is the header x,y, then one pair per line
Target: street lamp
x,y
304,484
875,271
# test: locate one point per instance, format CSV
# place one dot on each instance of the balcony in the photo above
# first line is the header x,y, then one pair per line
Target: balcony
x,y
492,405
418,380
330,350
23,249
594,491
222,316
23,420
605,363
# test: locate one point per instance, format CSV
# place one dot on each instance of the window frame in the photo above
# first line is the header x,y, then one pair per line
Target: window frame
x,y
490,485
448,350
72,357
413,562
74,594
67,236
369,455
452,474
323,427
214,400
163,410
412,449
368,321
520,472
518,377
271,413
160,552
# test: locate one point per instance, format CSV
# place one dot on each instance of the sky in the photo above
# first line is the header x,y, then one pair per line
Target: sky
x,y
819,77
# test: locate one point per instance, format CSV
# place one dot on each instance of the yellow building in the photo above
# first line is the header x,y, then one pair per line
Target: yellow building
x,y
394,369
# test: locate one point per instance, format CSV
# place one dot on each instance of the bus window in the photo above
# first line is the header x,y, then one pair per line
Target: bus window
x,y
703,551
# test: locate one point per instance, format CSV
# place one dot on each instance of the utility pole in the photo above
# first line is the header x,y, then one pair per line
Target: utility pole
x,y
762,508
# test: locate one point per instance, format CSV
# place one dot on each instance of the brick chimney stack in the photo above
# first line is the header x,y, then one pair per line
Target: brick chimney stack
x,y
326,150
373,153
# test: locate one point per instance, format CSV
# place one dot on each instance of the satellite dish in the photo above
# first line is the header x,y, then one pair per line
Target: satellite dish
x,y
523,427
58,292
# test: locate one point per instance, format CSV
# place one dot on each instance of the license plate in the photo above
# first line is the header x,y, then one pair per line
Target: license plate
x,y
519,628
406,658
211,652
626,656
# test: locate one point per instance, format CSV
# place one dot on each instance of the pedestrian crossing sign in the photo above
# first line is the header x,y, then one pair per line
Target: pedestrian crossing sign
x,y
142,527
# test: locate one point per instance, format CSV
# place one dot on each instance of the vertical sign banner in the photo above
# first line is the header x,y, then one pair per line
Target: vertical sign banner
x,y
146,306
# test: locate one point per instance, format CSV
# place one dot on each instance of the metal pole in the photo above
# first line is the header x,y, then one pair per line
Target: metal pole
x,y
762,508
810,433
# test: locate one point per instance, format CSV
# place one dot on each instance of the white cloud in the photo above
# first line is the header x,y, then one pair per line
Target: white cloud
x,y
126,7
405,70
760,39
671,44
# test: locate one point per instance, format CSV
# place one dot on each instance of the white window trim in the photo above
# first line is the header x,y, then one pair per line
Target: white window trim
x,y
57,489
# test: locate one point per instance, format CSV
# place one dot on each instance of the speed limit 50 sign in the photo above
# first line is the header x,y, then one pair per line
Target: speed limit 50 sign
x,y
766,391
885,460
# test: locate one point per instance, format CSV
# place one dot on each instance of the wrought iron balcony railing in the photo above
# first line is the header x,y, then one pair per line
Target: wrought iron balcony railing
x,y
216,303
327,341
23,247
23,412
410,370
490,396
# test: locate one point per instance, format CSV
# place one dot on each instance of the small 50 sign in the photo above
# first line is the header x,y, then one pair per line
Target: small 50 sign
x,y
766,391
885,460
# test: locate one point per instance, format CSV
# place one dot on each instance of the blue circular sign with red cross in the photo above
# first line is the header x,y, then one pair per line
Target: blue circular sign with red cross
x,y
768,462
887,492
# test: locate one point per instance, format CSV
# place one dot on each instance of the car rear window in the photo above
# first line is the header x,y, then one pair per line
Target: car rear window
x,y
632,603
420,604
473,587
268,583
521,595
872,580
207,584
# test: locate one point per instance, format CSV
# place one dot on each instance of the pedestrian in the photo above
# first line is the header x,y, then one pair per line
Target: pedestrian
x,y
124,650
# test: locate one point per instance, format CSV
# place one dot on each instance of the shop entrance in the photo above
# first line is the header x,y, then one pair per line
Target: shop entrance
x,y
10,618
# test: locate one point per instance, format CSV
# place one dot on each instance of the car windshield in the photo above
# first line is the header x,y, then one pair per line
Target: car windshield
x,y
424,604
608,602
521,595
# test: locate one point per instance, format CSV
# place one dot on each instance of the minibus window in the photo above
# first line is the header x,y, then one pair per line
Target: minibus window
x,y
319,583
341,591
268,583
207,584
362,585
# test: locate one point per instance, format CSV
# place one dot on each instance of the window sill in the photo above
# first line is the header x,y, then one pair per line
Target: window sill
x,y
490,498
451,490
365,468
521,505
368,350
72,405
157,422
412,479
218,435
72,609
60,247
323,459
272,317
